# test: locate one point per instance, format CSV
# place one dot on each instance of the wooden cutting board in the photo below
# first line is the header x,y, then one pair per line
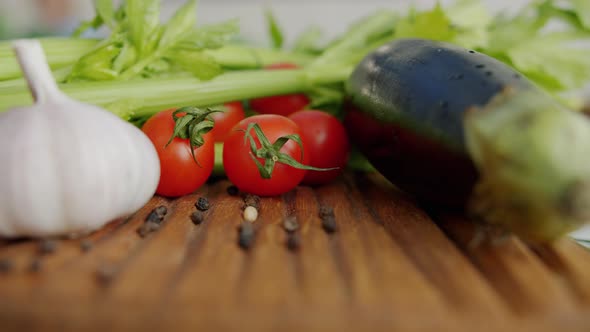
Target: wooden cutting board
x,y
389,266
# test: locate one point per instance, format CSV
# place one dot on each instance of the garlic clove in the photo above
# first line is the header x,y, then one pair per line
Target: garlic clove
x,y
68,167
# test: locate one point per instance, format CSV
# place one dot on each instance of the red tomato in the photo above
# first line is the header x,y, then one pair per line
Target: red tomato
x,y
326,143
241,169
233,113
179,173
280,104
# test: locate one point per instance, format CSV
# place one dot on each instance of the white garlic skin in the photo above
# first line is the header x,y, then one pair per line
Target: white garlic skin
x,y
69,167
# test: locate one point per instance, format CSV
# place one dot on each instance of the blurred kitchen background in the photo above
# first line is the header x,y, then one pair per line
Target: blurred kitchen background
x,y
26,18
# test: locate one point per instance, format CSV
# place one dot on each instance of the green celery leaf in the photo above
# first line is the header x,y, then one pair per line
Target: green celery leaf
x,y
471,19
180,36
126,57
105,10
274,30
210,36
550,59
469,13
548,9
120,14
471,37
582,9
553,60
104,15
433,24
97,65
510,30
372,30
124,108
367,29
95,23
201,65
156,68
308,41
143,18
179,25
507,32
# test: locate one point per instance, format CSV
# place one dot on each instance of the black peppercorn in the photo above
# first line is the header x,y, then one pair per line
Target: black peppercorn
x,y
246,235
202,204
6,265
197,217
47,246
293,241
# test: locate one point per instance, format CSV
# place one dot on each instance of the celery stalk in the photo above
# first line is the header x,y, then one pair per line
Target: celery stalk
x,y
242,57
59,74
144,97
60,52
63,52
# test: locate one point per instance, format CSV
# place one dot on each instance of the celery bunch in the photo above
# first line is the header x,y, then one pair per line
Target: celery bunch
x,y
146,65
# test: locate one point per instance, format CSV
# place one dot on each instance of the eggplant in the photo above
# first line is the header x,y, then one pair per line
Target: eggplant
x,y
456,128
408,100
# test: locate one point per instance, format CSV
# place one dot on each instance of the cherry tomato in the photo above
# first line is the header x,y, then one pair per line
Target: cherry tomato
x,y
326,143
241,169
280,104
179,173
233,112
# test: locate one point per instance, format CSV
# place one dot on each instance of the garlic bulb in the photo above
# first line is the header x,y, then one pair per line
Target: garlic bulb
x,y
68,167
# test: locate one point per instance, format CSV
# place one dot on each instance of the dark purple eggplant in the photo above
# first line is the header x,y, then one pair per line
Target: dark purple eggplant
x,y
408,99
456,128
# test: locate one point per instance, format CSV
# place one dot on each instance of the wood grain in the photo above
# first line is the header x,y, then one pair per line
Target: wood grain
x,y
390,266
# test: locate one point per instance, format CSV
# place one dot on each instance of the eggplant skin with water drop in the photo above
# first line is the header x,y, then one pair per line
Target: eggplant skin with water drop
x,y
456,128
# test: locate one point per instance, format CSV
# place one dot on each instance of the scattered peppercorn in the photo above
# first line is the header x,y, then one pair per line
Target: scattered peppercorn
x,y
252,200
86,245
293,241
105,274
329,225
35,265
290,224
157,215
250,214
246,235
202,204
148,227
47,246
6,265
161,211
326,211
142,231
153,221
197,217
328,219
232,190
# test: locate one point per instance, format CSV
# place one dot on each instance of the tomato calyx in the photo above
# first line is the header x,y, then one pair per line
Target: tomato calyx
x,y
192,125
271,153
